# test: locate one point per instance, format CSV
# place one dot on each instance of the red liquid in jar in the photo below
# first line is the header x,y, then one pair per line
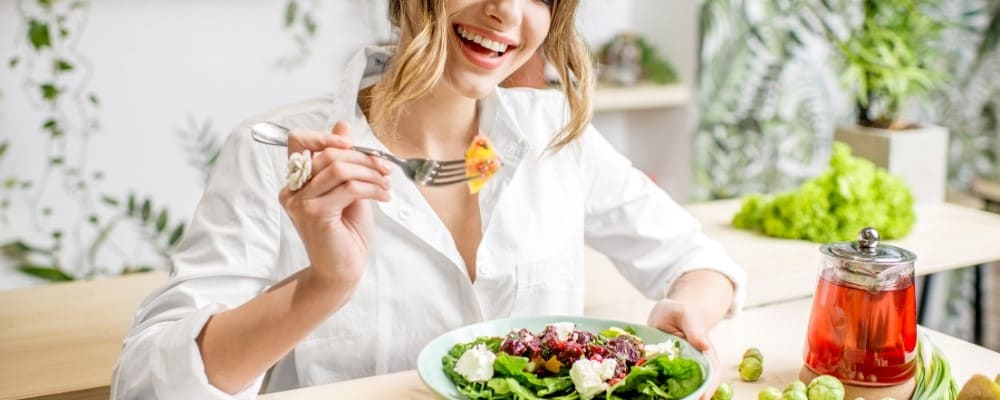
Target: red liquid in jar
x,y
863,337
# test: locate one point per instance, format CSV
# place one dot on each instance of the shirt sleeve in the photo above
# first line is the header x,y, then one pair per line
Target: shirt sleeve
x,y
225,258
651,239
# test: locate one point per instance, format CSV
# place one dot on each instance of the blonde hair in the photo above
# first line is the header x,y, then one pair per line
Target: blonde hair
x,y
419,65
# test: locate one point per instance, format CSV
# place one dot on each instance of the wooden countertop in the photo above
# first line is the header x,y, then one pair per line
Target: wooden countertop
x,y
62,340
781,343
945,237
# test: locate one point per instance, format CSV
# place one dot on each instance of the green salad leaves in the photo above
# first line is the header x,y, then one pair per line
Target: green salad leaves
x,y
660,377
852,194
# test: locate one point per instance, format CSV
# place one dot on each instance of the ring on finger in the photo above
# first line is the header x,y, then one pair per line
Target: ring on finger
x,y
299,169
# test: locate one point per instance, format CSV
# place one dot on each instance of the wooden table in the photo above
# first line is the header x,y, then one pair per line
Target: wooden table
x,y
777,330
61,341
945,237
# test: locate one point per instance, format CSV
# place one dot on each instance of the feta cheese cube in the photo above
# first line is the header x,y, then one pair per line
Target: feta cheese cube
x,y
476,364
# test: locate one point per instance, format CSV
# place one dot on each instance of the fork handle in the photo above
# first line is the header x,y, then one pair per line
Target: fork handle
x,y
277,135
381,154
269,133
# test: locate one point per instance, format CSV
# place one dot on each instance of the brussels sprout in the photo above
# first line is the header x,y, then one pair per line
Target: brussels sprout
x,y
794,395
769,393
796,386
724,392
825,387
750,369
755,353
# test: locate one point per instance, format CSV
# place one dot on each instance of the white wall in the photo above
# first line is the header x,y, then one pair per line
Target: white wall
x,y
158,64
155,65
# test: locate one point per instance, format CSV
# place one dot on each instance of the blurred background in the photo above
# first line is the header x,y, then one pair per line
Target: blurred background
x,y
112,112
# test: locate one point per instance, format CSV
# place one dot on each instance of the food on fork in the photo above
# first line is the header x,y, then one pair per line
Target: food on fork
x,y
481,163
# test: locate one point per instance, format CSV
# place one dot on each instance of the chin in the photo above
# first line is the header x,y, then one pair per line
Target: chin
x,y
473,87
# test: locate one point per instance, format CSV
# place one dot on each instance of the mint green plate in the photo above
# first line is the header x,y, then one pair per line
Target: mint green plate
x,y
429,361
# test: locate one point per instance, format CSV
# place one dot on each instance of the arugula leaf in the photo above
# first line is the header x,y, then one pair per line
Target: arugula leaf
x,y
517,369
660,377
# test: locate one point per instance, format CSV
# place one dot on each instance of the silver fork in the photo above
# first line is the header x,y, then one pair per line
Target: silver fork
x,y
420,170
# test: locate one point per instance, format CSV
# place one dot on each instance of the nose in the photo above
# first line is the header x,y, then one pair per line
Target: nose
x,y
505,12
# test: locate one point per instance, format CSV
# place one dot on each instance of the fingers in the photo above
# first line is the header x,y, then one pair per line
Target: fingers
x,y
339,173
332,202
331,156
695,331
301,139
352,191
341,129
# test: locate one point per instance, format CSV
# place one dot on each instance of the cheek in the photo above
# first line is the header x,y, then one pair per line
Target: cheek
x,y
537,29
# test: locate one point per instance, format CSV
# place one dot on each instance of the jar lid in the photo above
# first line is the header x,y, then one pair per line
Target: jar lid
x,y
868,250
868,264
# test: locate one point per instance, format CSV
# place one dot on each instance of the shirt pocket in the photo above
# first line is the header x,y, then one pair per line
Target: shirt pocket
x,y
549,286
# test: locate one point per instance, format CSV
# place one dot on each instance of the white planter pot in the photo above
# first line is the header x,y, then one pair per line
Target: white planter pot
x,y
919,156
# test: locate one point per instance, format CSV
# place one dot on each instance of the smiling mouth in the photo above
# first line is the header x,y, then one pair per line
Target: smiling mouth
x,y
481,44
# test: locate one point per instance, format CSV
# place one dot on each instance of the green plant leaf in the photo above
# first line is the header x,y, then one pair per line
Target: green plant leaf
x,y
161,221
52,274
14,61
310,25
93,99
52,126
102,237
56,161
147,209
45,3
49,91
131,204
38,34
3,148
62,65
111,201
19,250
175,236
291,11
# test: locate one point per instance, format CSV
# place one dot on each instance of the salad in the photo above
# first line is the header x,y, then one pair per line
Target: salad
x,y
564,363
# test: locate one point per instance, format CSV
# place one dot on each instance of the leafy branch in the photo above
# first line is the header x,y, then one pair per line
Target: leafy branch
x,y
202,144
300,23
56,77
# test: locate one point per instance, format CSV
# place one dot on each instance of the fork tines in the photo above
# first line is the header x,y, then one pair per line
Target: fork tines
x,y
442,182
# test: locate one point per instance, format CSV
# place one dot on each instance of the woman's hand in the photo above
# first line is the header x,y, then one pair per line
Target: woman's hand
x,y
331,212
680,319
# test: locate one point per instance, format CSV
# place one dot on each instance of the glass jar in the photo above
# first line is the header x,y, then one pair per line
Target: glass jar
x,y
863,326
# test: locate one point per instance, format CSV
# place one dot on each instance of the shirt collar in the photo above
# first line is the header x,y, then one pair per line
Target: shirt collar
x,y
496,121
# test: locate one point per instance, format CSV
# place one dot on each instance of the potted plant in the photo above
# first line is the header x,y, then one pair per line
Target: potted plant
x,y
888,60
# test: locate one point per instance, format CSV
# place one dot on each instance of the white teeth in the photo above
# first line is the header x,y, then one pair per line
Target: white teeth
x,y
482,41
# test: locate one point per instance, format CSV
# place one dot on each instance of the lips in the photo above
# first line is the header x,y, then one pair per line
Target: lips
x,y
481,49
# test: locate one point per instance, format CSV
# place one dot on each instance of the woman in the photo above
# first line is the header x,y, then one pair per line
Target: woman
x,y
351,274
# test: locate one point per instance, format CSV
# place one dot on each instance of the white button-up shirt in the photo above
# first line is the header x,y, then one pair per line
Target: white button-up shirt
x,y
537,213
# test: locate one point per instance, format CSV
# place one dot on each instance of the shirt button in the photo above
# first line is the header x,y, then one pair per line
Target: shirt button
x,y
404,214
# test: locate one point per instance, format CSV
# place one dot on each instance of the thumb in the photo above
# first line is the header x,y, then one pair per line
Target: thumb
x,y
694,331
341,129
